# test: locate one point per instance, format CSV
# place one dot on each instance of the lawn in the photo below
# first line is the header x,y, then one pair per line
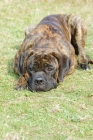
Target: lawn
x,y
65,113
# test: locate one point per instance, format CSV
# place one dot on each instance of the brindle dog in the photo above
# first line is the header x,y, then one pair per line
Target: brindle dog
x,y
49,52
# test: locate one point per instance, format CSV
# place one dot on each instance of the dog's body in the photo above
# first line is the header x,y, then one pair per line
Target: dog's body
x,y
48,52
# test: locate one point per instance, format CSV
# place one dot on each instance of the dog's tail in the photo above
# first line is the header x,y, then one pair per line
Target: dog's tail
x,y
89,60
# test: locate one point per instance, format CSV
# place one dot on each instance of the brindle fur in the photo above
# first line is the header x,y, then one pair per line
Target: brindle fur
x,y
56,40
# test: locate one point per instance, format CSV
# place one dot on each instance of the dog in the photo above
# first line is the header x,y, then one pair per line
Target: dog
x,y
50,51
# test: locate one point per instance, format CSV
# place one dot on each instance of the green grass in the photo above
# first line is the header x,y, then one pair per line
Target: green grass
x,y
65,113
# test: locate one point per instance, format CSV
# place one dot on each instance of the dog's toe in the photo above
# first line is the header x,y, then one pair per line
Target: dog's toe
x,y
84,66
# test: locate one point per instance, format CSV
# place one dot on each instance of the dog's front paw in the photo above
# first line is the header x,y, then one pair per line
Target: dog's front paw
x,y
84,66
21,83
18,87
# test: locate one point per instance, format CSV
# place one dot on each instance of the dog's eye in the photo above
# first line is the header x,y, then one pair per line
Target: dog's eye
x,y
32,69
49,69
36,66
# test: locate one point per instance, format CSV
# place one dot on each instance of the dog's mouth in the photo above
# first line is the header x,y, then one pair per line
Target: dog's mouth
x,y
41,81
41,88
36,89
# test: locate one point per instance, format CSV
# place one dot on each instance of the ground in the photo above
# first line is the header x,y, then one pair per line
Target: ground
x,y
65,113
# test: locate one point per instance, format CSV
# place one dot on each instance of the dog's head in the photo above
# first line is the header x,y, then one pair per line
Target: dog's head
x,y
45,70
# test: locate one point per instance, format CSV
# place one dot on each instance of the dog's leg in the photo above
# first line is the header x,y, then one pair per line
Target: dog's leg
x,y
78,36
22,82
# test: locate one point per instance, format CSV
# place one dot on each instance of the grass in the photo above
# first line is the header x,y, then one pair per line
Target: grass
x,y
65,113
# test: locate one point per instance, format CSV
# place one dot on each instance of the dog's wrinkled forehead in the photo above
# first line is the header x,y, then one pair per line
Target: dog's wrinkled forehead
x,y
44,58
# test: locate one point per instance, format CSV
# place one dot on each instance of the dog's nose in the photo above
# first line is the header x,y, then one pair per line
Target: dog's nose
x,y
39,81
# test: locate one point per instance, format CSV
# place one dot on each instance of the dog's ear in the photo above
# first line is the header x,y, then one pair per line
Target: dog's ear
x,y
29,29
26,51
64,65
23,60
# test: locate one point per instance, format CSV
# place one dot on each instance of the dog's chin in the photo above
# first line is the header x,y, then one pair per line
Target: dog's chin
x,y
42,89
